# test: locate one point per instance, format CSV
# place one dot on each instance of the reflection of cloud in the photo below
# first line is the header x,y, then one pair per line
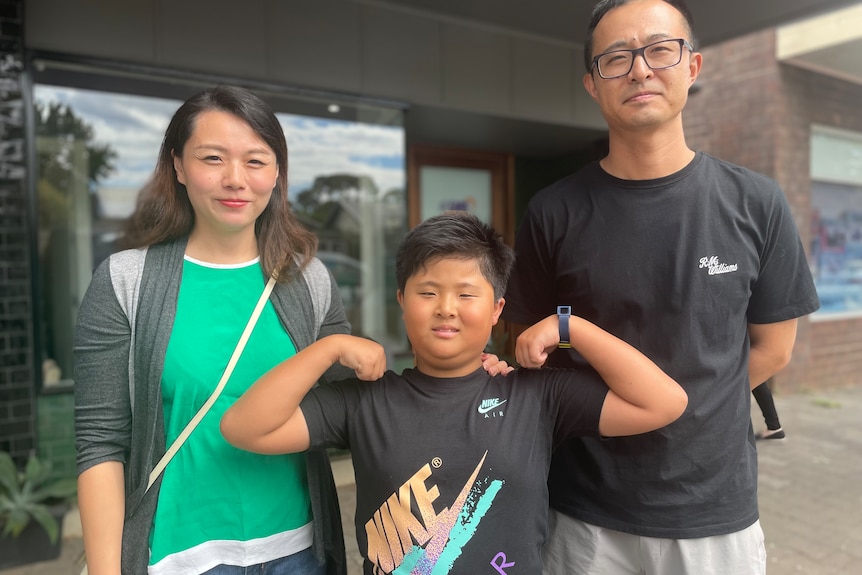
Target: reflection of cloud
x,y
320,147
134,127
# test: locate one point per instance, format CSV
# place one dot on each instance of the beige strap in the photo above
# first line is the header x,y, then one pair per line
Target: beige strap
x,y
237,352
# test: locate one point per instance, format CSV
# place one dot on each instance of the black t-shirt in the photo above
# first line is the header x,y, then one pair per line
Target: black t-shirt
x,y
678,267
451,473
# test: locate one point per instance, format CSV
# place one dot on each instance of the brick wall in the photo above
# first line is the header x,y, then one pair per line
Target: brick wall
x,y
756,112
17,401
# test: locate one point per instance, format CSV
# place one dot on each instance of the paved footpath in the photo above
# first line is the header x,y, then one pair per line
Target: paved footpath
x,y
810,491
810,485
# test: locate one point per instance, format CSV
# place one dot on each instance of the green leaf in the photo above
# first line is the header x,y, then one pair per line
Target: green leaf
x,y
8,474
36,472
60,489
16,521
41,514
23,495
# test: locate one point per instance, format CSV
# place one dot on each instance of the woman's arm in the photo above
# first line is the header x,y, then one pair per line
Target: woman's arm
x,y
642,396
267,418
103,420
101,501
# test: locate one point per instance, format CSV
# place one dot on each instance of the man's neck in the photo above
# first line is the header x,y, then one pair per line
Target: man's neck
x,y
646,155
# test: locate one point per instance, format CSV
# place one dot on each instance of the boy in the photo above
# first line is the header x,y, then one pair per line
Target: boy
x,y
451,463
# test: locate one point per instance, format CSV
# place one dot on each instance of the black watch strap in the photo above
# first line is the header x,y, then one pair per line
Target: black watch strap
x,y
564,312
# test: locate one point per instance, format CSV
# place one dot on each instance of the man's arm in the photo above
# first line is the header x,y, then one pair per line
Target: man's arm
x,y
267,417
641,398
771,349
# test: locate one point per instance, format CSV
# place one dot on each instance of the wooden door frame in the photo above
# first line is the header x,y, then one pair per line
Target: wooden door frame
x,y
501,166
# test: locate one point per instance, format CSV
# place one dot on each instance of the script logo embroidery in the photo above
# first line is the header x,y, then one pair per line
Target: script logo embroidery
x,y
489,404
715,267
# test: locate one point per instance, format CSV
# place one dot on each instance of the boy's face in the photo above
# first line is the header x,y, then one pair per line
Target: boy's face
x,y
449,310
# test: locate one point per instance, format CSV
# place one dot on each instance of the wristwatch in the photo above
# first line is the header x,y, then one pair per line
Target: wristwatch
x,y
564,312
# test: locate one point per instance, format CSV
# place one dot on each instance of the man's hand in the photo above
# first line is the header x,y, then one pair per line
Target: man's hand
x,y
495,366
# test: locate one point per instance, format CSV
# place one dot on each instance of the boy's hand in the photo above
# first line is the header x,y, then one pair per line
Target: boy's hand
x,y
536,342
495,366
367,358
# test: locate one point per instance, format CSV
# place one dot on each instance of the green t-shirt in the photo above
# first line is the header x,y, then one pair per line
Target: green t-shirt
x,y
217,503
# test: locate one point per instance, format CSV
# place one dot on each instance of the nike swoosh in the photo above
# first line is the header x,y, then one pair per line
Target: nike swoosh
x,y
484,410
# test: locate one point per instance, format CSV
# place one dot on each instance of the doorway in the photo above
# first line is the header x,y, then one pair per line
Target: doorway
x,y
441,179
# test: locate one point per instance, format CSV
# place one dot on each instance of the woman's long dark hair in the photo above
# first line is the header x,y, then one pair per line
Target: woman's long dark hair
x,y
163,212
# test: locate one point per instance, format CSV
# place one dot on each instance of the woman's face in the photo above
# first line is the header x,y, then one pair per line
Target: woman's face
x,y
228,171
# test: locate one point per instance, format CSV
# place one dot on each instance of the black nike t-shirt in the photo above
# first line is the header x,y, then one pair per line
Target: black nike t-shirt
x,y
451,473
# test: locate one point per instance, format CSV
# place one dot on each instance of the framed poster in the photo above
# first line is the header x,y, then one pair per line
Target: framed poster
x,y
442,179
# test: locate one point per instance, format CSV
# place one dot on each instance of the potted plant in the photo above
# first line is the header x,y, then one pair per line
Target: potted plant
x,y
32,506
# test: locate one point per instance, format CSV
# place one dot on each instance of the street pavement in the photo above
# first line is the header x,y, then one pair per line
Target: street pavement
x,y
810,492
810,485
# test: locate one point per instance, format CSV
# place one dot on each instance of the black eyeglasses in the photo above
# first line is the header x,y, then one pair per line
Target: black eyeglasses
x,y
658,56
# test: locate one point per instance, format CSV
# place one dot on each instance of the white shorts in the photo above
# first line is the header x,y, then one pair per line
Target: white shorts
x,y
578,548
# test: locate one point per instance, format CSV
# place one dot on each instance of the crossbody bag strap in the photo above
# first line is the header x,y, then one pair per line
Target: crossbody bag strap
x,y
237,352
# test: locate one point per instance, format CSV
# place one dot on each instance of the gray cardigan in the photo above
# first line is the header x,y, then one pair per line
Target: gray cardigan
x,y
124,324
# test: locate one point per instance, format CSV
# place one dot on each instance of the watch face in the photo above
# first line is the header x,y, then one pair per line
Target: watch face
x,y
563,313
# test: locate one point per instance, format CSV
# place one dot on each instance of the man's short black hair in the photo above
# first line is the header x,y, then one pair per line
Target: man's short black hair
x,y
457,235
602,7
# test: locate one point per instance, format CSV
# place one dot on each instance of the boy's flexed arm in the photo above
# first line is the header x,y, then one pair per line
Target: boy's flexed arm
x,y
267,418
642,396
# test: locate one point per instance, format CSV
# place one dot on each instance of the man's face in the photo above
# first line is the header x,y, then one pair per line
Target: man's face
x,y
644,99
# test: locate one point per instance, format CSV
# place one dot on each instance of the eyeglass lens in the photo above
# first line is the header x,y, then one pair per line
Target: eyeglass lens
x,y
657,56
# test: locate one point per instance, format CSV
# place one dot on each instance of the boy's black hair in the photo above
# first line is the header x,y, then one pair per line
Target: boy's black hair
x,y
604,6
458,235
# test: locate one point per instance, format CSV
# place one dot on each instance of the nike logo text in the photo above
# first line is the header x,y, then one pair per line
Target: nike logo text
x,y
489,404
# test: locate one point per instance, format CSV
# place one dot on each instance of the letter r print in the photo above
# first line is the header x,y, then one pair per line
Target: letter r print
x,y
502,565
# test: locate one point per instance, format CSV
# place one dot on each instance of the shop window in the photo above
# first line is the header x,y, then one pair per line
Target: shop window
x,y
96,149
836,220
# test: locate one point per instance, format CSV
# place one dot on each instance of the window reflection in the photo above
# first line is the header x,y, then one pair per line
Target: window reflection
x,y
96,150
836,221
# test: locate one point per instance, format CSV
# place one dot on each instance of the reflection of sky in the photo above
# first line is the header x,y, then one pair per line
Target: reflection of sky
x,y
134,127
319,147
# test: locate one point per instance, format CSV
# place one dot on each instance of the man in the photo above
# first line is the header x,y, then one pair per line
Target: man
x,y
694,261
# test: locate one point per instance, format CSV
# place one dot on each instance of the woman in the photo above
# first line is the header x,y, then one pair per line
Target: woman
x,y
155,332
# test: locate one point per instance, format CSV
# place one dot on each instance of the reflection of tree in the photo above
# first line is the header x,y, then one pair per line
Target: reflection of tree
x,y
335,188
59,121
330,207
349,214
71,163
